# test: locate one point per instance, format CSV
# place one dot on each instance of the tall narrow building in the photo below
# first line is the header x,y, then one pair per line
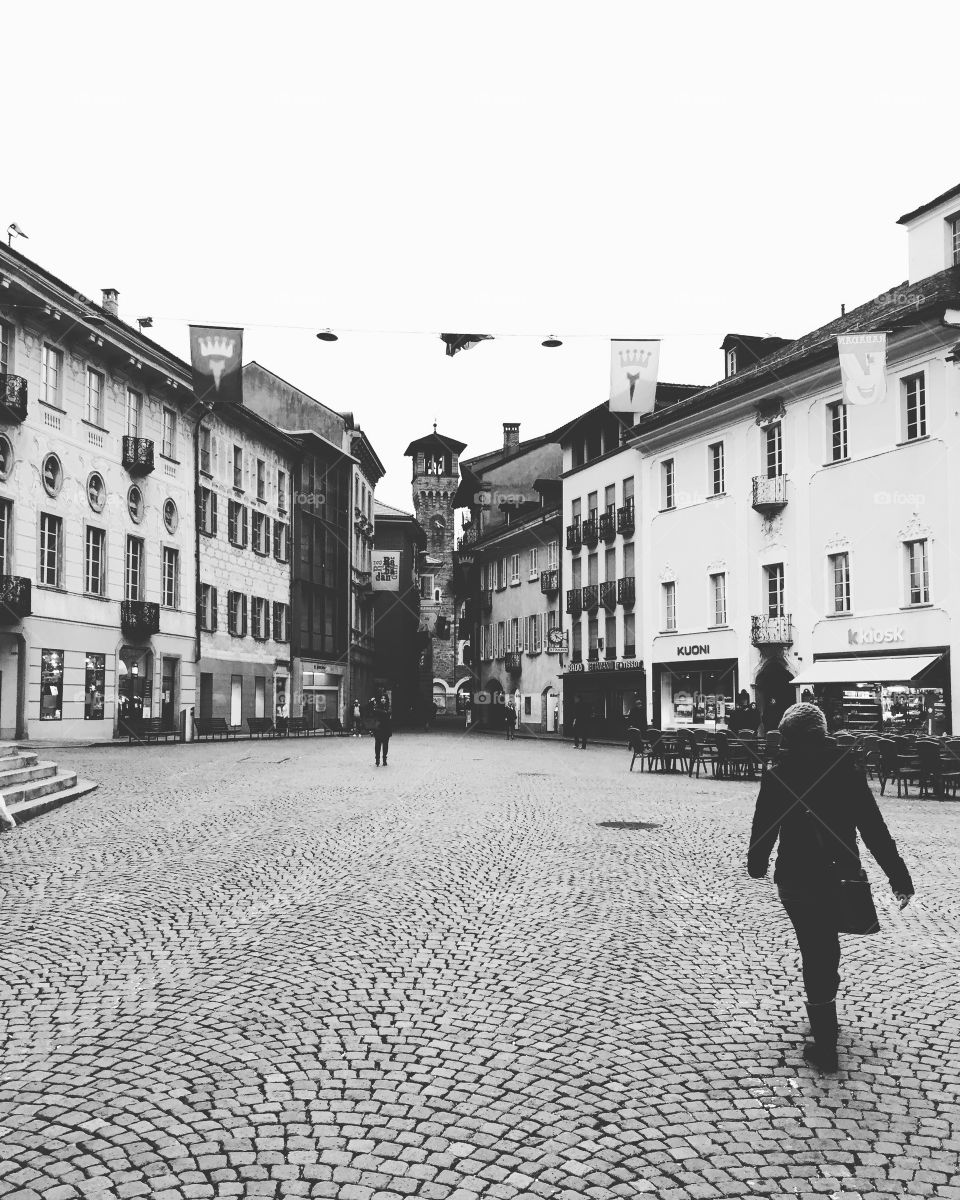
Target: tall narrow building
x,y
436,476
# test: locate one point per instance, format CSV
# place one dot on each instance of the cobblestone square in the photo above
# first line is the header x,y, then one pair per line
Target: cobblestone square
x,y
490,969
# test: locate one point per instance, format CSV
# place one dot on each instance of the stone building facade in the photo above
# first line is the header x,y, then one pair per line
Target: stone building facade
x,y
246,470
399,640
97,538
435,482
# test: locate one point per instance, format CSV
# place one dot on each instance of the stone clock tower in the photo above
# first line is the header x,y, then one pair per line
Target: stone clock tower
x,y
436,477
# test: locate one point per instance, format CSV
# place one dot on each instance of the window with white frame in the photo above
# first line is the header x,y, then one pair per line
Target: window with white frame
x,y
837,430
170,591
718,597
610,500
258,618
51,550
281,621
553,555
667,484
731,362
238,466
261,534
6,537
169,442
775,589
514,645
954,226
840,577
717,481
501,639
208,512
6,348
94,406
237,523
669,591
51,370
514,568
501,573
208,607
534,557
282,491
534,634
135,413
281,541
773,450
261,479
133,569
94,561
237,614
918,572
914,407
206,460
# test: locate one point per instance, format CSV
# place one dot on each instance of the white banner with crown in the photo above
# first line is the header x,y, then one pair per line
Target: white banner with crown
x,y
633,375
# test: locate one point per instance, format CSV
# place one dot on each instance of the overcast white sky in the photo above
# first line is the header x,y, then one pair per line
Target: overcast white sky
x,y
604,169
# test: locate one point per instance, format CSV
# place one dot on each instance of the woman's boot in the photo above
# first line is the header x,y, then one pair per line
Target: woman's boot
x,y
822,1051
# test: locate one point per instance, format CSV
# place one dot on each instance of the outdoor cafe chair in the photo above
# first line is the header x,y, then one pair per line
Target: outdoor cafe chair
x,y
635,744
936,774
950,759
702,752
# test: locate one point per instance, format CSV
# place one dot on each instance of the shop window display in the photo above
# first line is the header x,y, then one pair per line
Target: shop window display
x,y
51,685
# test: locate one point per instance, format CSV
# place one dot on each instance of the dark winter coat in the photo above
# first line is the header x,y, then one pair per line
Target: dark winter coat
x,y
825,782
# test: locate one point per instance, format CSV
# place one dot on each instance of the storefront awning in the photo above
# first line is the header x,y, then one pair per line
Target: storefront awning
x,y
894,669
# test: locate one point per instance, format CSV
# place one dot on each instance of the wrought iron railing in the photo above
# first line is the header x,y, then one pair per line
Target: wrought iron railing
x,y
607,526
137,455
13,398
574,536
769,493
626,590
590,532
574,601
608,595
771,631
14,598
139,618
591,596
625,518
550,581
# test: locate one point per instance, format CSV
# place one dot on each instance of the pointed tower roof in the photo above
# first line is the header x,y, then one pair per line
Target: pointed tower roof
x,y
436,441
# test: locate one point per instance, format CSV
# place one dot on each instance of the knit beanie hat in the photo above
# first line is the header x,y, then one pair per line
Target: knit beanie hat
x,y
803,723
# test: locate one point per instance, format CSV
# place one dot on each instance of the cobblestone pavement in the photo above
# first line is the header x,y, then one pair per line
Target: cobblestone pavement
x,y
269,969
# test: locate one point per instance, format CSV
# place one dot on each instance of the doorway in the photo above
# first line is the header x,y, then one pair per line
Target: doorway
x,y
236,699
168,692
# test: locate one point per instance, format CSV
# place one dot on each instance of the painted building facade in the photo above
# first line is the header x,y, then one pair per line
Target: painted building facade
x,y
97,532
246,470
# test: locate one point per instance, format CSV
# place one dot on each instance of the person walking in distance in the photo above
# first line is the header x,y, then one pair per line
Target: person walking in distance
x,y
580,719
383,727
357,719
815,801
510,715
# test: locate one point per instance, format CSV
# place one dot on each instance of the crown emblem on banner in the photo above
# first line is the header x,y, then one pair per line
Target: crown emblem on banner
x,y
635,358
217,349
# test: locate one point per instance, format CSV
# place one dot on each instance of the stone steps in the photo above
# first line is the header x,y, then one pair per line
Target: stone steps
x,y
29,787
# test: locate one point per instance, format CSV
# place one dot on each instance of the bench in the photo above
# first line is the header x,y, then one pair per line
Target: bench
x,y
147,729
298,725
334,725
213,727
259,726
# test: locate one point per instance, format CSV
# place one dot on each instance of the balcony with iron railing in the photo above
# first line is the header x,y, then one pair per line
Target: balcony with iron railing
x,y
607,526
590,533
139,618
591,597
574,538
625,518
13,399
769,493
14,599
514,662
626,591
550,581
574,601
771,631
137,455
608,595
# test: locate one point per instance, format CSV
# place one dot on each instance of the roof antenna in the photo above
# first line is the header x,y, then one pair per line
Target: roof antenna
x,y
843,310
434,424
14,230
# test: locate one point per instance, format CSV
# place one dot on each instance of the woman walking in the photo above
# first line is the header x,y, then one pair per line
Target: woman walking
x,y
816,801
382,728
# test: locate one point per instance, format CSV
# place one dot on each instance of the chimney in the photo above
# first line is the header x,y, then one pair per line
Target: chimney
x,y
511,437
110,298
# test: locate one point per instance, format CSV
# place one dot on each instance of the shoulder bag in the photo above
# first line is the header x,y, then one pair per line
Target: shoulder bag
x,y
855,910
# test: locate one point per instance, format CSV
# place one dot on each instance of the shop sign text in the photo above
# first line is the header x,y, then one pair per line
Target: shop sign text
x,y
702,648
870,637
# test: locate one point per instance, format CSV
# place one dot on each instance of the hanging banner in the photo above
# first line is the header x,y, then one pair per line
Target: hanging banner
x,y
216,355
863,367
633,375
463,341
386,571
